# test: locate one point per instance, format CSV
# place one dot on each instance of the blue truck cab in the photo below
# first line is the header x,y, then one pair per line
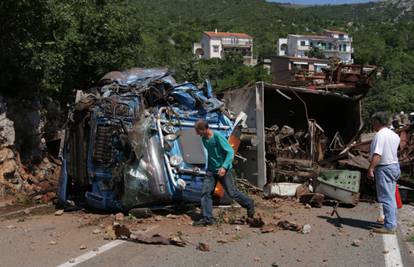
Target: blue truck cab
x,y
130,142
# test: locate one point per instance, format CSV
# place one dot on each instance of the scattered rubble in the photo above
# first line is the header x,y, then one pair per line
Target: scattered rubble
x,y
25,182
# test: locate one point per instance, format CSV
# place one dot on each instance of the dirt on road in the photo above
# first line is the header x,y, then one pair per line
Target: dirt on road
x,y
51,237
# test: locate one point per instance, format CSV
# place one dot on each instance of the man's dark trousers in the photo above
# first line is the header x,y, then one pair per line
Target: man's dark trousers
x,y
209,183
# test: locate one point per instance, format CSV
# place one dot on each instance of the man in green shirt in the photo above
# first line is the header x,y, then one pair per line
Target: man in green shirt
x,y
220,158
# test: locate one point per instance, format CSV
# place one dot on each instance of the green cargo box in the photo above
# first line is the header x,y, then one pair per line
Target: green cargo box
x,y
342,185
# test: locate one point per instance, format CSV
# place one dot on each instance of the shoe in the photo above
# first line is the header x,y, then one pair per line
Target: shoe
x,y
203,223
250,211
384,230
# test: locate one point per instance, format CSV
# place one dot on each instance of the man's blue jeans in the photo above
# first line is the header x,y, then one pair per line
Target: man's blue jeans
x,y
209,183
386,178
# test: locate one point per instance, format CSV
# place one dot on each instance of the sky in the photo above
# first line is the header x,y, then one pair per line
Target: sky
x,y
322,2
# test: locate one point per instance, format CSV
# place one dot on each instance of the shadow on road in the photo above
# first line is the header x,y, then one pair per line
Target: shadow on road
x,y
339,222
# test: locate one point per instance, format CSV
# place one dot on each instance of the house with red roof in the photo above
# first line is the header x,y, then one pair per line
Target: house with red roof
x,y
217,44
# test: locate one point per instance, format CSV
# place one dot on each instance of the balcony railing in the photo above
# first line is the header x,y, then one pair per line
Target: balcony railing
x,y
348,39
237,43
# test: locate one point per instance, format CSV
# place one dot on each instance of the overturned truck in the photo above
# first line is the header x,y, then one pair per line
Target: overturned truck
x,y
130,142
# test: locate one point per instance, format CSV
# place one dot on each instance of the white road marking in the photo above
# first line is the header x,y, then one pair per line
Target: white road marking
x,y
91,254
392,253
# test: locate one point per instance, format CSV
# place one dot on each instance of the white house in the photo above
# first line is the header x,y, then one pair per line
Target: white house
x,y
334,44
217,44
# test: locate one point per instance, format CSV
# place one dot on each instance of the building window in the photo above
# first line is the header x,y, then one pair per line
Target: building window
x,y
215,48
344,48
302,43
329,46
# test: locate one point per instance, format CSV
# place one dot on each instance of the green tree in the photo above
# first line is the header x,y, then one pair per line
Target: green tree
x,y
315,52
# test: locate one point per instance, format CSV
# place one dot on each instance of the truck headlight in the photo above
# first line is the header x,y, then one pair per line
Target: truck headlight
x,y
176,160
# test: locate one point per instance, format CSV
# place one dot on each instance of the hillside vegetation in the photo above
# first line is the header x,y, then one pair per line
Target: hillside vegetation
x,y
50,47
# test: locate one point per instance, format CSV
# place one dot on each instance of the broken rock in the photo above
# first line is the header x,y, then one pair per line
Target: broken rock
x,y
172,216
313,199
48,197
266,229
59,212
96,231
356,243
6,154
286,225
203,247
306,229
119,217
7,134
222,241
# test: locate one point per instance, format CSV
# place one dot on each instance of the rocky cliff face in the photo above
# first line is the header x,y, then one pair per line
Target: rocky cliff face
x,y
405,8
405,5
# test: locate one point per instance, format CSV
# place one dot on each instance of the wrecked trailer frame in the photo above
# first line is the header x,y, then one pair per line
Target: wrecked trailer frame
x,y
130,142
321,115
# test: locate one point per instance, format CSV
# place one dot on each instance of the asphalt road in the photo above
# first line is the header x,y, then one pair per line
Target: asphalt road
x,y
48,240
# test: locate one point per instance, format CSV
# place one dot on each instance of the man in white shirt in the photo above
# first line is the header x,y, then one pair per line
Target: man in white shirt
x,y
385,168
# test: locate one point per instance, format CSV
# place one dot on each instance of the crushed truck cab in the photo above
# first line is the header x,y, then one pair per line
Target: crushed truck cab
x,y
130,142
